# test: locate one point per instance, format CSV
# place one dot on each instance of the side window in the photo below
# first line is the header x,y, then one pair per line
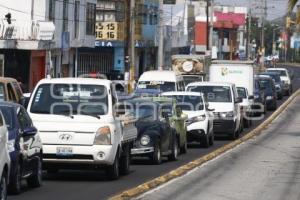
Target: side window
x,y
1,120
18,89
235,95
24,119
11,93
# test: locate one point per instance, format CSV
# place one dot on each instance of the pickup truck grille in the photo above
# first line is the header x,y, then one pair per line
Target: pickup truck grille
x,y
77,157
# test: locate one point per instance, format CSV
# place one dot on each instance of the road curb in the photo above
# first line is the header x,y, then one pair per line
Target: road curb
x,y
145,187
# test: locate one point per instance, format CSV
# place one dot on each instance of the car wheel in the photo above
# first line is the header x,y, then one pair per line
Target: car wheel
x,y
174,151
205,141
35,180
125,162
113,172
183,149
3,187
52,171
212,139
14,186
156,157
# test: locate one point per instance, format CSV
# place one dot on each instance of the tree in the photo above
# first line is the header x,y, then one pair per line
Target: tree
x,y
291,5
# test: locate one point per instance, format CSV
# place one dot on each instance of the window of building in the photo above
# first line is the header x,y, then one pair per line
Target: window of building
x,y
153,15
76,18
110,11
90,18
51,15
65,15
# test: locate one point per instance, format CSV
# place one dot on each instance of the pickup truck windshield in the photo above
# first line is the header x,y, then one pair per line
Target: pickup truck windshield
x,y
163,86
213,93
189,102
70,99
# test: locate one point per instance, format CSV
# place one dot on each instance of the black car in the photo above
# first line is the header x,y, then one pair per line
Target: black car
x,y
156,137
268,85
24,146
259,105
278,83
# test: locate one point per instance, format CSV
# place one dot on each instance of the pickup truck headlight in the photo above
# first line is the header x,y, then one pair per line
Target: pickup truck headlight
x,y
145,140
269,97
103,136
227,114
196,119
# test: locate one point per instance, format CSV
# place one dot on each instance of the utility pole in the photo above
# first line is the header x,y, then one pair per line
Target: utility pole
x,y
207,25
263,33
211,30
248,49
160,61
132,46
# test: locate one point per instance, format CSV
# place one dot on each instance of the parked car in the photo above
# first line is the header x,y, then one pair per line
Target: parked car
x,y
268,85
199,117
10,90
78,125
222,97
4,159
278,83
25,147
156,136
285,77
246,106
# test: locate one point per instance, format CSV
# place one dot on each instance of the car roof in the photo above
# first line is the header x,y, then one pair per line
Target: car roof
x,y
210,84
181,93
9,104
84,81
276,69
7,80
159,75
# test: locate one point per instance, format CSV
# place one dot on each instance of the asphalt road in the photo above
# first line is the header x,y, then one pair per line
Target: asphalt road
x,y
78,185
266,168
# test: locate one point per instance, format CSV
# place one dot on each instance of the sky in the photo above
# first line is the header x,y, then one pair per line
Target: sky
x,y
276,8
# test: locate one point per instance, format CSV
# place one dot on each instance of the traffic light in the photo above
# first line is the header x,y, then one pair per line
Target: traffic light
x,y
8,18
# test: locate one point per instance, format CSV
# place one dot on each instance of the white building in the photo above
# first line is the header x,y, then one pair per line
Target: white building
x,y
38,26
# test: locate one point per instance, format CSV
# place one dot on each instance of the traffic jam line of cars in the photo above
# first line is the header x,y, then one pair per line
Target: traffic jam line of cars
x,y
81,123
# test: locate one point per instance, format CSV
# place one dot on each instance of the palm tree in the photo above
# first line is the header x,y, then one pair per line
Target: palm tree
x,y
291,5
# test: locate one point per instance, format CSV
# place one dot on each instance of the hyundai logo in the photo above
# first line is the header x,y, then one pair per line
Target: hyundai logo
x,y
65,137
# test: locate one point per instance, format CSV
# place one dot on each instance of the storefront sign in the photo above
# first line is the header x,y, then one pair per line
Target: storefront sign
x,y
109,31
104,43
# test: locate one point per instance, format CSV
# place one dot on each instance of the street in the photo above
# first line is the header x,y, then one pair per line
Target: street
x,y
266,167
94,185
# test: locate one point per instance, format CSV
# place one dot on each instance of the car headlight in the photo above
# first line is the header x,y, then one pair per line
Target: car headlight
x,y
145,140
227,114
11,146
269,97
103,136
196,119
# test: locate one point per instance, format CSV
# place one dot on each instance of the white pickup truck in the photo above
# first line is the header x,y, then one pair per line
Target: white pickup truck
x,y
79,127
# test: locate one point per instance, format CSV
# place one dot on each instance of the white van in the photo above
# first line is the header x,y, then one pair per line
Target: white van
x,y
241,73
223,98
163,81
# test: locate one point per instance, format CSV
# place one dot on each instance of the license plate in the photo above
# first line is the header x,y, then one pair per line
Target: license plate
x,y
64,151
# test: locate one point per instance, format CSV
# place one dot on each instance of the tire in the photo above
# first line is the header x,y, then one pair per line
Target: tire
x,y
234,135
125,162
246,123
14,186
211,139
274,107
3,186
183,149
174,151
52,171
113,172
156,156
35,180
205,141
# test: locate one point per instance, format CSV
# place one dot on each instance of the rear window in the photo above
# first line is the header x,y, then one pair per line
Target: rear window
x,y
162,86
213,93
8,116
281,72
2,92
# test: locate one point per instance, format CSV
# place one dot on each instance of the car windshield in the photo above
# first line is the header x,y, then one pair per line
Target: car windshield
x,y
275,77
281,72
213,93
2,92
70,99
265,83
190,79
162,86
242,92
189,102
8,116
144,111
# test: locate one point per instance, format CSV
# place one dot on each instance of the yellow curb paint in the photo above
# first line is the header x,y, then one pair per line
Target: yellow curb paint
x,y
145,187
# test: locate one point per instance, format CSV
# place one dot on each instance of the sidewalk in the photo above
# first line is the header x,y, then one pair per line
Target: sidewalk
x,y
266,168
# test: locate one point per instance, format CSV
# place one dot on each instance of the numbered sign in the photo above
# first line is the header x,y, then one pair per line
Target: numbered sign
x,y
109,31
